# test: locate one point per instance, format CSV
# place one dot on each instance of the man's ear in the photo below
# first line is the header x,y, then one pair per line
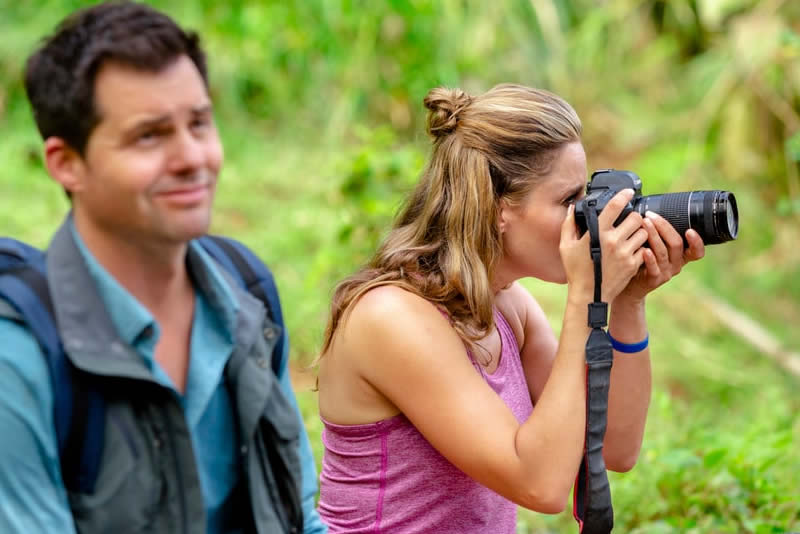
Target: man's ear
x,y
64,164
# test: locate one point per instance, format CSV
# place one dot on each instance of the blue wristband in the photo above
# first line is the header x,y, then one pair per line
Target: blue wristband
x,y
629,348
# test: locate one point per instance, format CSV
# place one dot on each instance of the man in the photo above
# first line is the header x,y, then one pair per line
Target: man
x,y
120,96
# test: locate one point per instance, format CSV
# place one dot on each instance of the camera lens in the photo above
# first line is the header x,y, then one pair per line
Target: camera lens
x,y
712,214
728,203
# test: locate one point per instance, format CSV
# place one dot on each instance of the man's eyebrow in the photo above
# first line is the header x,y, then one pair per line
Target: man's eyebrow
x,y
149,122
160,120
202,110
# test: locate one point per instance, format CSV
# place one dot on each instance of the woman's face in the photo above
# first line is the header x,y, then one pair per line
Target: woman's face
x,y
531,231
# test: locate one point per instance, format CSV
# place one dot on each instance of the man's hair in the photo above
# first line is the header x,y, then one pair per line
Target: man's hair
x,y
60,75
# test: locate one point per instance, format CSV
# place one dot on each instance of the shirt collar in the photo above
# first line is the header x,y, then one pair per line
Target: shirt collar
x,y
130,318
206,274
134,323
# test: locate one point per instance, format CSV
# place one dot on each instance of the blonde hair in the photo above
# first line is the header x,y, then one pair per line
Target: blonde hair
x,y
445,242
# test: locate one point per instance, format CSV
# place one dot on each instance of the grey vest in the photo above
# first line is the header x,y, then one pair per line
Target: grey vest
x,y
148,479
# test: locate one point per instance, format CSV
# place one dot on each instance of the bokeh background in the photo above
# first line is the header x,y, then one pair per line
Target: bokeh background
x,y
320,107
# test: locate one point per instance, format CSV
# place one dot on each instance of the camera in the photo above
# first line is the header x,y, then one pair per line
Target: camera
x,y
712,214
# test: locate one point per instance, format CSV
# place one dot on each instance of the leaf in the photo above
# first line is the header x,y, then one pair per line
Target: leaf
x,y
713,458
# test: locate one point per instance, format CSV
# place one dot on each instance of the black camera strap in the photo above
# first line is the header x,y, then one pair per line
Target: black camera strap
x,y
592,494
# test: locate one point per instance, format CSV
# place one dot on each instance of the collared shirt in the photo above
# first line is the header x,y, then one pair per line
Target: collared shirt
x,y
26,398
206,401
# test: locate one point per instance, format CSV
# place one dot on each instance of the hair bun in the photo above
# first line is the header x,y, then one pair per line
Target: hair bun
x,y
445,105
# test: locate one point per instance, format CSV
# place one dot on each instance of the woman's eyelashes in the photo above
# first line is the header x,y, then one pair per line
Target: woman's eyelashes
x,y
573,198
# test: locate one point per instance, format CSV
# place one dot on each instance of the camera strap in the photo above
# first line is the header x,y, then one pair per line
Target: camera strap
x,y
591,505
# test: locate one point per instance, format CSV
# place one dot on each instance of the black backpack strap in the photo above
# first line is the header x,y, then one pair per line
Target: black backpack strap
x,y
592,495
78,409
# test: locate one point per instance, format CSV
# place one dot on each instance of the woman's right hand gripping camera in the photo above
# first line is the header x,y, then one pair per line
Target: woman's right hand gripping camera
x,y
621,246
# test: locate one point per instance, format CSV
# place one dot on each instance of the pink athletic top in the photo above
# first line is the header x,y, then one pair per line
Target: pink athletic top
x,y
385,477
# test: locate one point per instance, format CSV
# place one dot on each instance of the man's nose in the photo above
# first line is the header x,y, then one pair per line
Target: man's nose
x,y
188,153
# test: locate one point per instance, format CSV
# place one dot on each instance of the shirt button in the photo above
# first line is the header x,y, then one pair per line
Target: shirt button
x,y
262,363
270,333
243,450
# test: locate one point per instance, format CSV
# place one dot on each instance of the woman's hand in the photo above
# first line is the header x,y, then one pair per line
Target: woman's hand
x,y
665,258
621,248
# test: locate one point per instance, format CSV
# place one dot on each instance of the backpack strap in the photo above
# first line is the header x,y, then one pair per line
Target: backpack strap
x,y
78,412
257,279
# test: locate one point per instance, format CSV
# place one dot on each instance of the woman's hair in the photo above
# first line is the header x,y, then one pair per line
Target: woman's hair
x,y
445,242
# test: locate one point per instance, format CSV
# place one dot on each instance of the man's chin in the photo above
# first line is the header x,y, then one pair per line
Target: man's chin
x,y
191,227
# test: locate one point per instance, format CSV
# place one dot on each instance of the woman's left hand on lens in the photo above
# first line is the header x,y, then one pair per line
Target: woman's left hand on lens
x,y
666,256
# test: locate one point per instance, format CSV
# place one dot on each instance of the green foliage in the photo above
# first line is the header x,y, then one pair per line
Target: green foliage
x,y
319,106
376,177
718,454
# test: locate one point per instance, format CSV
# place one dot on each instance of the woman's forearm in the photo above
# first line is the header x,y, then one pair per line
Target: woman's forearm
x,y
550,442
629,394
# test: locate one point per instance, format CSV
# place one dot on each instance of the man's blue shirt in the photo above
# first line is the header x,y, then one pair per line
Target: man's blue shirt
x,y
26,402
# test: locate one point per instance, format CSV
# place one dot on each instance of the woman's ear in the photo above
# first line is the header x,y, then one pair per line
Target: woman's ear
x,y
503,215
64,164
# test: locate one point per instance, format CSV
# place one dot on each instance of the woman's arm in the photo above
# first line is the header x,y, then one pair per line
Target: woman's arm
x,y
629,395
405,349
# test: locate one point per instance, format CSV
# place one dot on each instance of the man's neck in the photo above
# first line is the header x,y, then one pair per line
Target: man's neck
x,y
153,272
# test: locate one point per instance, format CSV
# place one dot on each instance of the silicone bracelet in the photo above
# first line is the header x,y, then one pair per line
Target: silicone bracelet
x,y
629,348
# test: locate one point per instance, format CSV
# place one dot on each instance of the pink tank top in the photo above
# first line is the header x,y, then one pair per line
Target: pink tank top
x,y
385,477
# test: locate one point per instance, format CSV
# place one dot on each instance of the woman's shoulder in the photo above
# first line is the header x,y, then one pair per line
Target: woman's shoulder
x,y
389,300
394,328
517,304
389,311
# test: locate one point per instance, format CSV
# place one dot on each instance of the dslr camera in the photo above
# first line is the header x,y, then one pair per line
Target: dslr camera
x,y
712,214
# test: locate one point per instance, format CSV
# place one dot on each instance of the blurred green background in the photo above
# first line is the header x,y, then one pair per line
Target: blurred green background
x,y
320,107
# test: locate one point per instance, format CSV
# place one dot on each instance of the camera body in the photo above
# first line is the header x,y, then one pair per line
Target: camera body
x,y
602,187
712,214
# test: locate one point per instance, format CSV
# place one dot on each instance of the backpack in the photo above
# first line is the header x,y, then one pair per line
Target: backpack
x,y
79,409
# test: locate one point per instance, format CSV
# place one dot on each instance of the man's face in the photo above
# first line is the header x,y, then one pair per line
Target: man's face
x,y
151,164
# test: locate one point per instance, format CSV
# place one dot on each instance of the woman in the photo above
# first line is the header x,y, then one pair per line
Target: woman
x,y
446,397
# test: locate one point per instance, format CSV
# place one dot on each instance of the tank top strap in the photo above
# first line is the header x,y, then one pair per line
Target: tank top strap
x,y
509,339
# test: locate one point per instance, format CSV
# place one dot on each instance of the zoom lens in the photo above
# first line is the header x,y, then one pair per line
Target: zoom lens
x,y
712,214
